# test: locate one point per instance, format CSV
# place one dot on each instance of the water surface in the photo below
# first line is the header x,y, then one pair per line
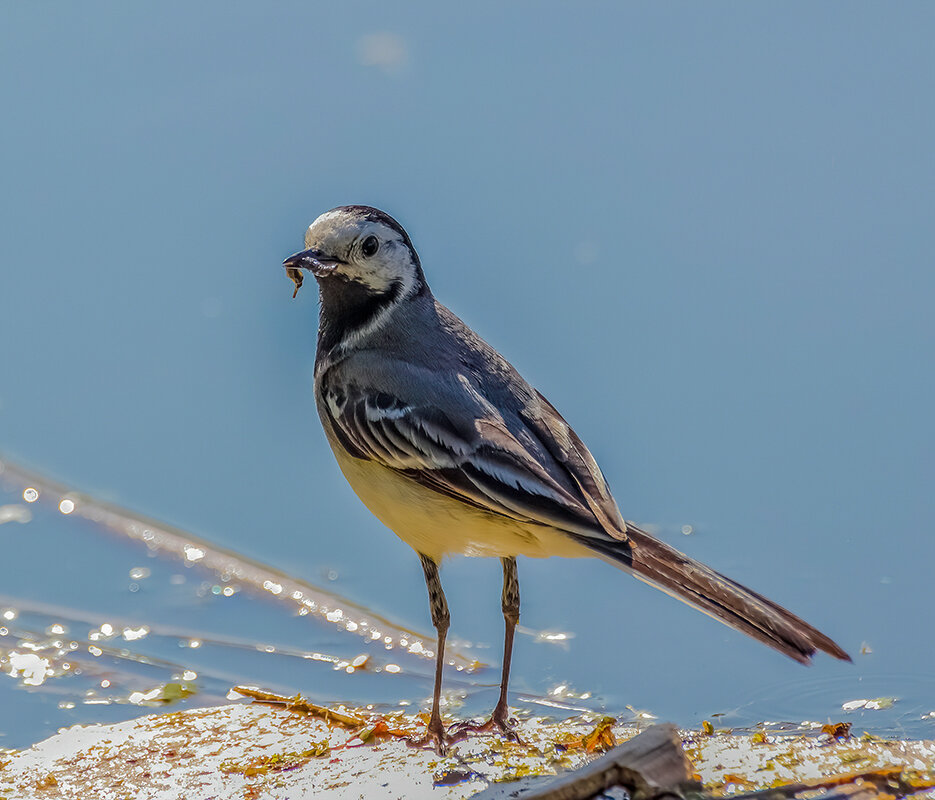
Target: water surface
x,y
704,232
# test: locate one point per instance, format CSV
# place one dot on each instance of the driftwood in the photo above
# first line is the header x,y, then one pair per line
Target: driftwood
x,y
652,766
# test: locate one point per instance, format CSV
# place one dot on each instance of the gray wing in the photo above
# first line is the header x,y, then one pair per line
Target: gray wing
x,y
475,457
568,450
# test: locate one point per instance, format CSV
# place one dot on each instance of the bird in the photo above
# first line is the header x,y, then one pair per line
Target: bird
x,y
447,445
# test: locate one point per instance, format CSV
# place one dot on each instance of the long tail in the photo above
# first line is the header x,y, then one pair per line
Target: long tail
x,y
700,586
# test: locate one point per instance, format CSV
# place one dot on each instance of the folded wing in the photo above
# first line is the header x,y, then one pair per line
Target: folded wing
x,y
476,459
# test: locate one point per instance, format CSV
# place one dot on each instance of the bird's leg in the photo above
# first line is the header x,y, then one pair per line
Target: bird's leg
x,y
510,605
500,718
440,619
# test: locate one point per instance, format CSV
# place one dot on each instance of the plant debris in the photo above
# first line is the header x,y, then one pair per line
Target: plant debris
x,y
367,729
279,762
837,730
380,727
302,706
601,739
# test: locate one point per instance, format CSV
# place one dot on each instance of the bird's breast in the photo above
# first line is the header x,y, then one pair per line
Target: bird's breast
x,y
437,525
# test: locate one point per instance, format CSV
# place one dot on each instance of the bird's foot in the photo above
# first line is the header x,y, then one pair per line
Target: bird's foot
x,y
499,721
436,736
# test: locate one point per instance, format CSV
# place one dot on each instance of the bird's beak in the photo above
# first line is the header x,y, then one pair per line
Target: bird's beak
x,y
312,260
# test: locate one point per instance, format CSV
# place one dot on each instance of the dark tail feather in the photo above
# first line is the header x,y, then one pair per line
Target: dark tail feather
x,y
700,586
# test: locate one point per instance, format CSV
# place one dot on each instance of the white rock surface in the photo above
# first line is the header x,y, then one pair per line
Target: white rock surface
x,y
248,752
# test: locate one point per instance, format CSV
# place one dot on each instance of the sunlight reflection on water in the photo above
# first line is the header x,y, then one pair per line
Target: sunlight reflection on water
x,y
195,633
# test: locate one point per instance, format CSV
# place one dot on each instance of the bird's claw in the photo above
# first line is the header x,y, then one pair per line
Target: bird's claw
x,y
499,721
436,736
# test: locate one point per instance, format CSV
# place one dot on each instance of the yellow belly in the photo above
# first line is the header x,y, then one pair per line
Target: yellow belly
x,y
437,525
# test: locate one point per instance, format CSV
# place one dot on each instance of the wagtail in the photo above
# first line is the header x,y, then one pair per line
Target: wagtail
x,y
451,449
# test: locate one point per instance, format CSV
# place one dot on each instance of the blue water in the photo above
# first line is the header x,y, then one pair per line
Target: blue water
x,y
704,232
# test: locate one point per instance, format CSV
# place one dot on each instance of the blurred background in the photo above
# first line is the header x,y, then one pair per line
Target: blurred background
x,y
704,231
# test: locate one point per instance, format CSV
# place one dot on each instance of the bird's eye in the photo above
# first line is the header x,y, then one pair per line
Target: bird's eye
x,y
370,246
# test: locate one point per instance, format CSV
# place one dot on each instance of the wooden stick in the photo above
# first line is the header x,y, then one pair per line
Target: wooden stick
x,y
298,704
648,766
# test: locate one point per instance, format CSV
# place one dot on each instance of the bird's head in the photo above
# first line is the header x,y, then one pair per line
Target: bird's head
x,y
358,249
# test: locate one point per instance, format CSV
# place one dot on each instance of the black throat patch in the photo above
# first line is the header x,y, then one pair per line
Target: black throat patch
x,y
348,307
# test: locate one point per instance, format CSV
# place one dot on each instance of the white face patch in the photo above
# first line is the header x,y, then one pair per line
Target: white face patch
x,y
339,234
